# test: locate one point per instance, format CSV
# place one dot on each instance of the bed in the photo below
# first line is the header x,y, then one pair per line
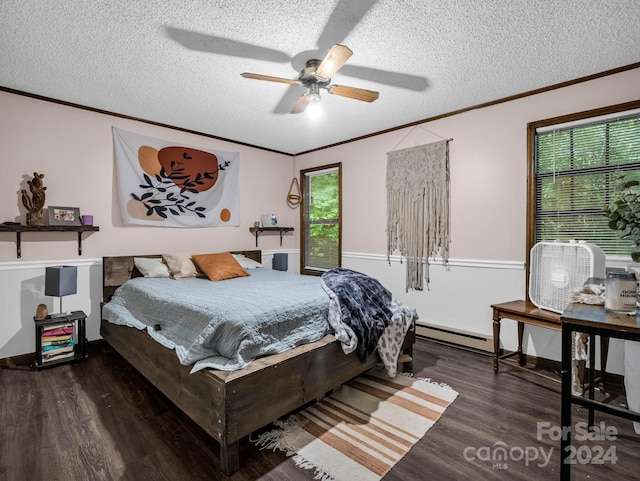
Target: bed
x,y
230,405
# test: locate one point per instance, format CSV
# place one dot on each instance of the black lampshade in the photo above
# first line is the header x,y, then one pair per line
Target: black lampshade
x,y
61,281
280,261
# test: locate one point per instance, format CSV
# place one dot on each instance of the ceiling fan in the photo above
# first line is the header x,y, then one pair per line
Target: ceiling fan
x,y
317,75
314,74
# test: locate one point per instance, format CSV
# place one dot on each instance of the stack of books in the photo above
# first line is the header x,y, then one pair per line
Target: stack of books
x,y
57,341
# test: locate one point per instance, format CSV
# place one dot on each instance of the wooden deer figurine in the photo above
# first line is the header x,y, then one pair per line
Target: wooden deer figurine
x,y
35,203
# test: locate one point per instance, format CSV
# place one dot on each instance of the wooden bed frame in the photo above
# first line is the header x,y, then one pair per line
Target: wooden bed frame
x,y
230,405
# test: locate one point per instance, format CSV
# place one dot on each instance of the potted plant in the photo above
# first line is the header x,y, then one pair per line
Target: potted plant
x,y
624,214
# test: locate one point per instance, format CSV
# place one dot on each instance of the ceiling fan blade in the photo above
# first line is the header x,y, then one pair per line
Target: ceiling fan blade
x,y
257,76
301,104
353,93
331,63
289,98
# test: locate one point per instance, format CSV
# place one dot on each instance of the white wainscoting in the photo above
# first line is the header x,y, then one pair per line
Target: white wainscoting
x,y
22,287
458,299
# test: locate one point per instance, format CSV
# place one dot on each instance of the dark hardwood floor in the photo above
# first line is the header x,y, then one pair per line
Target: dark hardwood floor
x,y
100,420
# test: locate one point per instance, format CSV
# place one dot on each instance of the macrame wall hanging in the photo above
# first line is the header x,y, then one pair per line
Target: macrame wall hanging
x,y
418,207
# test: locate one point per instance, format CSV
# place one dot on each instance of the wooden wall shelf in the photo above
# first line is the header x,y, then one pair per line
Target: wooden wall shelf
x,y
259,230
19,229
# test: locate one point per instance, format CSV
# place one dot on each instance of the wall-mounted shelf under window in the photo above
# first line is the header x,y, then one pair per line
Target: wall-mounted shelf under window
x,y
19,229
259,230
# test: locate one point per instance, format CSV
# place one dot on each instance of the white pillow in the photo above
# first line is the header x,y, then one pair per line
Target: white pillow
x,y
180,265
245,262
151,267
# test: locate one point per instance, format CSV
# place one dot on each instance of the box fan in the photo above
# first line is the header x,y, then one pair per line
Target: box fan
x,y
556,268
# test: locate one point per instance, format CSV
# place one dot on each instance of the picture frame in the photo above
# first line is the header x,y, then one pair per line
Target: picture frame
x,y
269,220
64,215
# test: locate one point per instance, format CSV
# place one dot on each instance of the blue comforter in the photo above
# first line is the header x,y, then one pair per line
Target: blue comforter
x,y
226,324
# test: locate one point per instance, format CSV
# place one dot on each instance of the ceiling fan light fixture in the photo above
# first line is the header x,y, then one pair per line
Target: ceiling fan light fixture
x,y
314,109
313,96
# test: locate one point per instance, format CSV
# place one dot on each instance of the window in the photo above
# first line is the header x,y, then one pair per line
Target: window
x,y
576,163
321,246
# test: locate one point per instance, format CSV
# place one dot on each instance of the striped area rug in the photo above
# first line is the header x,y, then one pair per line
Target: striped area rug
x,y
361,431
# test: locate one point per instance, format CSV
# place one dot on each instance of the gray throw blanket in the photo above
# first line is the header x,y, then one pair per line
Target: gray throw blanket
x,y
364,306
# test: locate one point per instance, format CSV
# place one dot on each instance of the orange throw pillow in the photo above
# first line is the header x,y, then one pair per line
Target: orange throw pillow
x,y
218,267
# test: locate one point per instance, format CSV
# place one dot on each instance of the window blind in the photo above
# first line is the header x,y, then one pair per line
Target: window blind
x,y
578,167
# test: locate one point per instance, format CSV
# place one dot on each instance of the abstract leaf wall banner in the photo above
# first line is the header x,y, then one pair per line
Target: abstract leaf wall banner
x,y
161,183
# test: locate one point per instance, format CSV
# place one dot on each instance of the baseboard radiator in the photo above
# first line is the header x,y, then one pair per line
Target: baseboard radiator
x,y
455,336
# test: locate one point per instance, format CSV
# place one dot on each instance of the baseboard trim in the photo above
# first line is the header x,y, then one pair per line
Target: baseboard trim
x,y
614,382
456,336
26,362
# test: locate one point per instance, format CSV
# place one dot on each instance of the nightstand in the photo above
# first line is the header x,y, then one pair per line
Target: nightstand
x,y
60,339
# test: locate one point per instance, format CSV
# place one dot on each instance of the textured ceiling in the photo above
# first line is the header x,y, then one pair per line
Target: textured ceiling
x,y
179,63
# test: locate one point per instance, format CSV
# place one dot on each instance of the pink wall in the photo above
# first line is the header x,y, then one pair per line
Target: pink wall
x,y
74,149
488,169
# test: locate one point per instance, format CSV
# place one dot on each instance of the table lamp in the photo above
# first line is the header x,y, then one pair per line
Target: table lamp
x,y
61,281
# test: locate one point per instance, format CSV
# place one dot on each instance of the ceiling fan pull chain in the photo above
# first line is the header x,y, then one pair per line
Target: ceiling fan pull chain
x,y
293,199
